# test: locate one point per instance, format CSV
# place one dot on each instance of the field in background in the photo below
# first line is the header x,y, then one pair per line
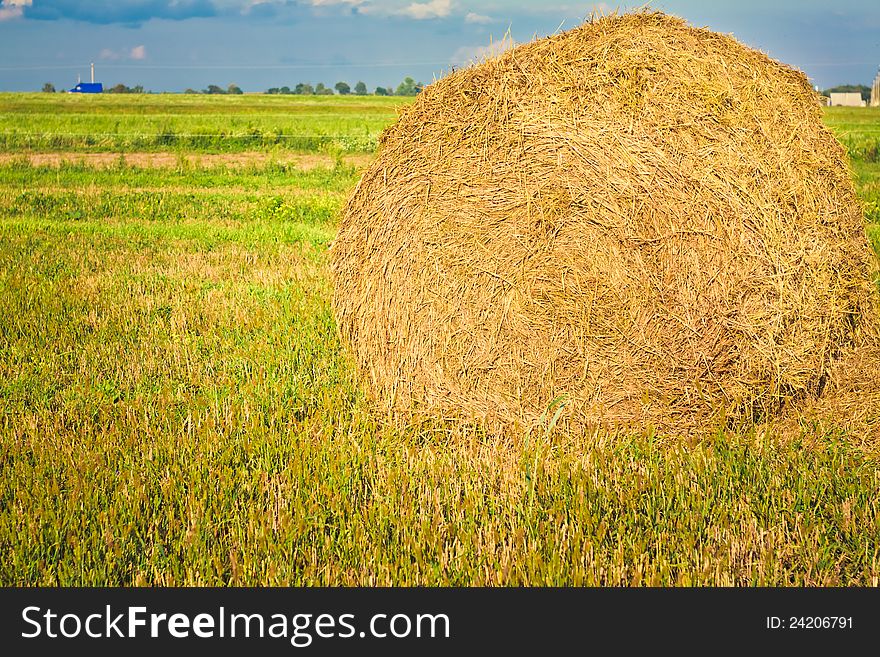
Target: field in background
x,y
858,129
175,407
215,124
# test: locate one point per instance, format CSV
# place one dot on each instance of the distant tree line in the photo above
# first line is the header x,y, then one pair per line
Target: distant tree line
x,y
122,89
408,87
213,89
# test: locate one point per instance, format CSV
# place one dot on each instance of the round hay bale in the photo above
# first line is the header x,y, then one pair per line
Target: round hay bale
x,y
635,221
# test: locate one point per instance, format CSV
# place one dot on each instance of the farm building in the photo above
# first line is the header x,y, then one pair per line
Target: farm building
x,y
88,87
848,99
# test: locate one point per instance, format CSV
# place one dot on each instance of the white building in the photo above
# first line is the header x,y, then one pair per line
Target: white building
x,y
848,99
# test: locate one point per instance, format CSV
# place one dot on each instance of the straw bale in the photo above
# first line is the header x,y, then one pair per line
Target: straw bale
x,y
635,221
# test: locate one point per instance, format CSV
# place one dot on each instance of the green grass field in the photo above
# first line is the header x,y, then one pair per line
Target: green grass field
x,y
175,407
146,122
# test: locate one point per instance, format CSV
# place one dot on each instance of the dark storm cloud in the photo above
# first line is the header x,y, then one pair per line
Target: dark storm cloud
x,y
113,11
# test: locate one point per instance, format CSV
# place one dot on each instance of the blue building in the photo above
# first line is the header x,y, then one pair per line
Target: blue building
x,y
88,88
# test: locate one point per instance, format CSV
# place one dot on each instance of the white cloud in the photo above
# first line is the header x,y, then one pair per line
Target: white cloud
x,y
330,3
250,4
10,9
471,17
246,7
323,7
424,10
471,54
137,53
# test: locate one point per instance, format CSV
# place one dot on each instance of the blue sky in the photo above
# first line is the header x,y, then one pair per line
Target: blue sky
x,y
169,45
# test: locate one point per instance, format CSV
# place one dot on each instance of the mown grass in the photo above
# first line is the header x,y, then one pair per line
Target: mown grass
x,y
175,408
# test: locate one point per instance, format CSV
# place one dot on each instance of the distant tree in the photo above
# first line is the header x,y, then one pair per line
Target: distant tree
x,y
234,89
191,91
284,90
49,88
382,91
214,89
321,90
343,88
273,90
304,89
408,87
850,88
360,89
122,89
